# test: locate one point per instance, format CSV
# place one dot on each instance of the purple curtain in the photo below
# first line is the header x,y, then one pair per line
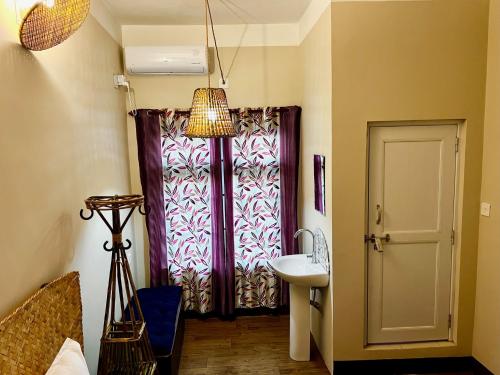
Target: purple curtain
x,y
228,219
289,170
223,261
150,165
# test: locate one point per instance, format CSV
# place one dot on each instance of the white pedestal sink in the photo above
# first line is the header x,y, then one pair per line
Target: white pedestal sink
x,y
302,274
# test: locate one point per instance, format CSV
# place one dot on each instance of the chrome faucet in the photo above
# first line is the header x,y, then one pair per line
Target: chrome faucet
x,y
313,256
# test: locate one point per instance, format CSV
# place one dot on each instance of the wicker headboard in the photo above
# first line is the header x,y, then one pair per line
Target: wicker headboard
x,y
31,336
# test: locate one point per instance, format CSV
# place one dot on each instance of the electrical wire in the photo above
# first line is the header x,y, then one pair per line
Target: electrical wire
x,y
206,38
131,100
215,42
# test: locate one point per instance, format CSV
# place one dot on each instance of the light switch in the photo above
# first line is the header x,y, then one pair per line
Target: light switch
x,y
485,209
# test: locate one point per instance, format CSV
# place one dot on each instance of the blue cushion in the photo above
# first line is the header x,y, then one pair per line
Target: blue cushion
x,y
160,307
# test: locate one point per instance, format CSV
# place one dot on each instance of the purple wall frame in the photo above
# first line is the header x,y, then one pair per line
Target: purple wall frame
x,y
319,183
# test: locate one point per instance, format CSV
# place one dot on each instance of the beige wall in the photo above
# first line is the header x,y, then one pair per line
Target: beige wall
x,y
62,139
486,344
316,138
402,61
259,76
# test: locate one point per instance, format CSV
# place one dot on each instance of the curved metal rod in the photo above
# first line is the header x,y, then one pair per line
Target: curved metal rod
x,y
143,210
86,217
127,218
106,247
129,245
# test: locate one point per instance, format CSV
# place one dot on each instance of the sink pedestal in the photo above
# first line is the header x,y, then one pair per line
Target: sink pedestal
x,y
302,275
300,323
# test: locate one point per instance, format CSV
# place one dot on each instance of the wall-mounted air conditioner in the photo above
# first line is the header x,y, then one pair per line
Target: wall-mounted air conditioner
x,y
175,60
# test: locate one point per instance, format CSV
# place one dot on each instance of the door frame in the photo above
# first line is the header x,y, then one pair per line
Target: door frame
x,y
457,216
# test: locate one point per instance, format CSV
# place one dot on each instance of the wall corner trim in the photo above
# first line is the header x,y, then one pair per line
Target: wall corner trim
x,y
312,14
104,16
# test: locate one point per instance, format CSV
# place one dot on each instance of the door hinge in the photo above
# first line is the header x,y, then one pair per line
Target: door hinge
x,y
457,144
452,236
449,321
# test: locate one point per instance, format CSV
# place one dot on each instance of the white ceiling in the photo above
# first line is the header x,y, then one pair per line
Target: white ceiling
x,y
191,12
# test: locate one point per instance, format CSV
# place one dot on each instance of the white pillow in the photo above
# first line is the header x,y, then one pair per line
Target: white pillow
x,y
69,360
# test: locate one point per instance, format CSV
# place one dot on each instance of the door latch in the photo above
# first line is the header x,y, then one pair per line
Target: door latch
x,y
377,241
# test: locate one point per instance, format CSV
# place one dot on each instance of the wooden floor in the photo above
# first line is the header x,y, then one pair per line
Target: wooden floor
x,y
248,345
252,345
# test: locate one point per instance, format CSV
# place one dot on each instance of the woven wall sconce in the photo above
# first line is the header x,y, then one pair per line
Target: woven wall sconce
x,y
50,23
210,116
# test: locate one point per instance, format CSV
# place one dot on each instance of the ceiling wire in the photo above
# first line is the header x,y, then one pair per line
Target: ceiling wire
x,y
215,42
244,15
207,5
229,5
235,10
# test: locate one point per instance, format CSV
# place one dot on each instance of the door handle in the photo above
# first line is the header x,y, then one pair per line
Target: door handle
x,y
379,214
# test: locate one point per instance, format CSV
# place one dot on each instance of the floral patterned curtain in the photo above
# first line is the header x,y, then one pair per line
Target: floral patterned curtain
x,y
219,211
255,155
186,182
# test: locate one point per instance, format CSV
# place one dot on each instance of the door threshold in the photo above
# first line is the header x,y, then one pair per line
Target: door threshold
x,y
412,345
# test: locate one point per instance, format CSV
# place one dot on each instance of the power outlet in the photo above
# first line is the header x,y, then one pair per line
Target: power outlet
x,y
485,209
119,80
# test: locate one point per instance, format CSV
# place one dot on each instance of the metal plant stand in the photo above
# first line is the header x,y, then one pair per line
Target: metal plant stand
x,y
125,346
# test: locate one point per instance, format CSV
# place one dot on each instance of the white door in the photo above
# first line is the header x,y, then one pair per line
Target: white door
x,y
411,199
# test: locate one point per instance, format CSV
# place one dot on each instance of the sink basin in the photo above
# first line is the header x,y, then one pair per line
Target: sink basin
x,y
299,270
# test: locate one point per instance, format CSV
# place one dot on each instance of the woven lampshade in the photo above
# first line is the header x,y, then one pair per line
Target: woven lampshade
x,y
45,27
210,116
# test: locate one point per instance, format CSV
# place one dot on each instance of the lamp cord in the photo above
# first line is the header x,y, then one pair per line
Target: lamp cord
x,y
215,42
207,6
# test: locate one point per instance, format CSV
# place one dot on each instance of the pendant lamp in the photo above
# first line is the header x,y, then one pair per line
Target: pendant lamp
x,y
210,116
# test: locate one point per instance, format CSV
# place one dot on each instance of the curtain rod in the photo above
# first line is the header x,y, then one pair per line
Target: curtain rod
x,y
233,110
